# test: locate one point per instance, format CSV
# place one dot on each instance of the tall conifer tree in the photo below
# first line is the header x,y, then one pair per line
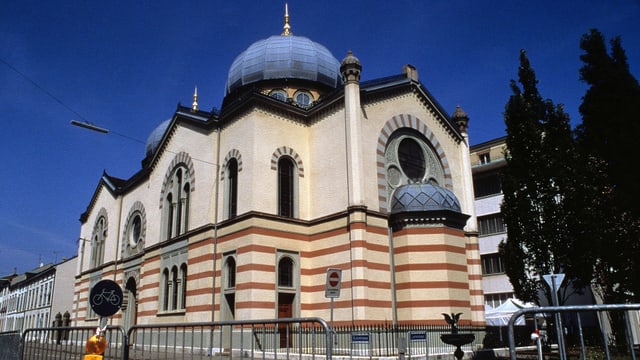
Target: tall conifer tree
x,y
607,141
535,181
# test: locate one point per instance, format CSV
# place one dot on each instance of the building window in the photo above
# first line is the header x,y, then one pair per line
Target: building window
x,y
166,289
183,288
485,158
492,264
228,308
176,204
278,94
230,271
286,187
410,158
303,98
174,288
486,185
495,300
232,188
491,224
135,230
98,241
285,272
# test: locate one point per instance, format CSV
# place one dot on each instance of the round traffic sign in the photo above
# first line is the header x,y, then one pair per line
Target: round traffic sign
x,y
334,279
105,297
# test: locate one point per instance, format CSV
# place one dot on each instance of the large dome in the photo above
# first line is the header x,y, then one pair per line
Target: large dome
x,y
284,57
155,137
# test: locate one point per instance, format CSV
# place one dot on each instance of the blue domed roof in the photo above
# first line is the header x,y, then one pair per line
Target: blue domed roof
x,y
155,137
423,197
284,57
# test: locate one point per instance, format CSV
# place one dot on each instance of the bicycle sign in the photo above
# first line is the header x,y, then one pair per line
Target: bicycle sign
x,y
105,297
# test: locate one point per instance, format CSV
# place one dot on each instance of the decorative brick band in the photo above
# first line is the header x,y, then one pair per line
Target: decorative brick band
x,y
232,154
287,151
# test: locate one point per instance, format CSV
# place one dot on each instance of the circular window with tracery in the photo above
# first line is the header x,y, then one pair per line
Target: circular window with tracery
x,y
303,98
278,94
411,159
135,231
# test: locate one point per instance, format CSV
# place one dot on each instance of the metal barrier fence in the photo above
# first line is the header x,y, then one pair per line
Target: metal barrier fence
x,y
69,343
387,340
561,348
293,338
263,339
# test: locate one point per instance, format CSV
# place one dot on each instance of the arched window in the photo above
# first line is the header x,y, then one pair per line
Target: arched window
x,y
286,187
176,204
97,241
166,289
232,188
230,269
228,306
285,272
410,158
170,215
183,287
175,288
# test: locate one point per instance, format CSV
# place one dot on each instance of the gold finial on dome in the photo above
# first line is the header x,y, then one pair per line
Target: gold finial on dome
x,y
194,106
287,28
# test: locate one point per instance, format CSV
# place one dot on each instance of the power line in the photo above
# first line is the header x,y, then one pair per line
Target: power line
x,y
48,93
84,123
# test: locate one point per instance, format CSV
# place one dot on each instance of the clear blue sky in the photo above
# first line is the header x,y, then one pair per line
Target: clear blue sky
x,y
125,65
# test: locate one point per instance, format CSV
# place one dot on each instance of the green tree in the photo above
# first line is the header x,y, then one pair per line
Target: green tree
x,y
536,181
607,142
608,201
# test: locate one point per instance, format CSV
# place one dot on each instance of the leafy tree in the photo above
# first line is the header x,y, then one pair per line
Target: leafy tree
x,y
536,182
609,197
607,141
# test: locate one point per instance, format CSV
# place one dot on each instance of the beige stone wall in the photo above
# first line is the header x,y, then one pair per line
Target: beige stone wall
x,y
438,269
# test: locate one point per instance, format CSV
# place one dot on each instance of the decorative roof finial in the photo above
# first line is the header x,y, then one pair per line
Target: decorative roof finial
x,y
287,28
194,106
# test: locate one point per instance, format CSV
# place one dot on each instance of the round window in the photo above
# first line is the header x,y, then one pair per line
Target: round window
x,y
278,94
411,159
135,230
303,98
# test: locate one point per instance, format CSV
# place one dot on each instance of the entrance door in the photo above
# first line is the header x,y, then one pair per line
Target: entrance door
x,y
285,310
130,313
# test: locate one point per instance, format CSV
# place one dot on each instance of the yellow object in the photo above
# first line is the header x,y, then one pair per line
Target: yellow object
x,y
93,357
96,345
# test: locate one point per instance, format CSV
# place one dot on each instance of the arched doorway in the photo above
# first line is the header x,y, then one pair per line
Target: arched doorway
x,y
129,316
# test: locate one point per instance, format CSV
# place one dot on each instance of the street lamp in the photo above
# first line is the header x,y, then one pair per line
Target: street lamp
x,y
90,126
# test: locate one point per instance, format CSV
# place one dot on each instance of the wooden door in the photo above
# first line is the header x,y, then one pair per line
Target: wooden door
x,y
285,310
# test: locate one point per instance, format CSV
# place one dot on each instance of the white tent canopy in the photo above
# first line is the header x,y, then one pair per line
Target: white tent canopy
x,y
500,316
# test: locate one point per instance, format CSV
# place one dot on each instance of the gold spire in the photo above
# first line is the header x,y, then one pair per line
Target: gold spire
x,y
194,106
286,31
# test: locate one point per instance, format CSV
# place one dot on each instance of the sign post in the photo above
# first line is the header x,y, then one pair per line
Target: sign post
x,y
105,299
554,281
332,287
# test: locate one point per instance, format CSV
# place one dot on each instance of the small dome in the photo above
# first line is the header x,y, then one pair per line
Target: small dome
x,y
423,197
155,137
284,57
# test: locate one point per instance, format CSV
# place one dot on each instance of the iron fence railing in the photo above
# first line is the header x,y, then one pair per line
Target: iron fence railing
x,y
69,343
561,348
299,338
410,340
